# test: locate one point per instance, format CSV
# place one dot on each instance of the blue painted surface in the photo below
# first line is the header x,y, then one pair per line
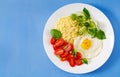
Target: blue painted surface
x,y
21,38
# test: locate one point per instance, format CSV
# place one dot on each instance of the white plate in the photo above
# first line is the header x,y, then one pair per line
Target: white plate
x,y
104,25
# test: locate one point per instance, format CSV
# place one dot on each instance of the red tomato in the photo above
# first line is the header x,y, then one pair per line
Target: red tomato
x,y
52,41
59,52
59,42
78,55
63,58
65,43
65,54
78,62
55,47
71,60
68,47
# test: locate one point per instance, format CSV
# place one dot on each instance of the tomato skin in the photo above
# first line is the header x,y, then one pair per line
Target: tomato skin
x,y
55,47
59,42
78,62
63,58
59,52
65,54
65,43
64,50
68,47
78,55
53,40
71,60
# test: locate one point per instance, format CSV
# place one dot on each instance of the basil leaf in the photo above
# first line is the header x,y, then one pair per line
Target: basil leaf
x,y
92,32
92,24
87,24
100,35
79,19
86,13
73,16
82,30
74,52
85,61
56,33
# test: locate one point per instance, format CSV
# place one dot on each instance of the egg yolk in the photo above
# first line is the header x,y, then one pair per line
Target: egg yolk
x,y
86,44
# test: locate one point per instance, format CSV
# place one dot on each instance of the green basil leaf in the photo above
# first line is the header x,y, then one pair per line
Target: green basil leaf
x,y
87,24
73,16
82,30
92,24
92,32
79,19
56,33
86,13
100,35
74,52
85,61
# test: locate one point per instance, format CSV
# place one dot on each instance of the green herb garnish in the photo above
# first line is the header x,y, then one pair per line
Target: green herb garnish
x,y
87,25
92,32
92,24
56,33
74,52
86,13
97,33
85,61
100,35
82,30
73,16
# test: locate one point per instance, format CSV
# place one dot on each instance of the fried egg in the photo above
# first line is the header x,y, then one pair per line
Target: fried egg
x,y
88,46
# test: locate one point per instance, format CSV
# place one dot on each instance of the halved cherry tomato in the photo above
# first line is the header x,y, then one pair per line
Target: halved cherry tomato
x,y
52,41
55,47
65,43
64,50
59,52
65,54
78,55
63,58
68,47
78,62
71,60
59,42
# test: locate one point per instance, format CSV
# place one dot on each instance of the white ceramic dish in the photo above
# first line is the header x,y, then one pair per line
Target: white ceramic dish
x,y
104,24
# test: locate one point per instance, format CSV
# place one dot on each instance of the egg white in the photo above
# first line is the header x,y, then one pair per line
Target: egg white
x,y
93,51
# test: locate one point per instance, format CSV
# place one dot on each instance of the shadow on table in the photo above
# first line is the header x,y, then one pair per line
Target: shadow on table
x,y
116,27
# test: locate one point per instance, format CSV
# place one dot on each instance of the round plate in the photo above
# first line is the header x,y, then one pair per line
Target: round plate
x,y
104,24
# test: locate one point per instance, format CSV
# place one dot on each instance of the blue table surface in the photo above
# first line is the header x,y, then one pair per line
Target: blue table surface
x,y
22,53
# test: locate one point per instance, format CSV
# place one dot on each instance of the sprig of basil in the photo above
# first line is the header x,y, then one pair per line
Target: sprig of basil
x,y
56,33
86,13
92,32
98,33
74,52
85,61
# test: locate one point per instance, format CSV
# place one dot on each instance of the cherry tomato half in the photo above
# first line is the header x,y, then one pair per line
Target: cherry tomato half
x,y
52,41
59,42
59,52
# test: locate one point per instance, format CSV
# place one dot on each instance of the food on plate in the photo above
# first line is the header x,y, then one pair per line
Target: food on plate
x,y
55,33
68,28
66,52
77,38
89,47
87,25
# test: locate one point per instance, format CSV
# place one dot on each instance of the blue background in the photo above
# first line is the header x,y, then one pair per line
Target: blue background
x,y
22,52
